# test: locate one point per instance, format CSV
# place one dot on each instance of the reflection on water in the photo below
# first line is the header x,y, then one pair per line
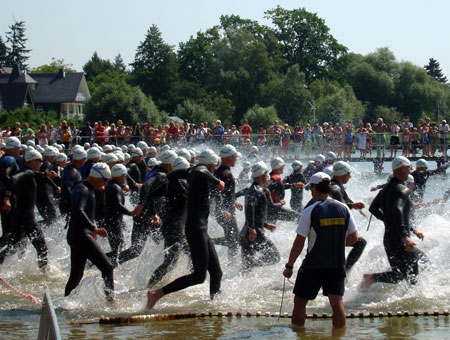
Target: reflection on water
x,y
259,290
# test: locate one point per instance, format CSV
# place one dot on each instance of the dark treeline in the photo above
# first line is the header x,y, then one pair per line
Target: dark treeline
x,y
242,69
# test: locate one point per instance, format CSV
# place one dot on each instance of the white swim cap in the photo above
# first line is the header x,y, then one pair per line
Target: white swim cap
x,y
60,148
254,148
153,162
78,154
61,157
410,180
320,158
246,165
136,152
142,145
229,150
185,154
276,163
119,155
110,158
100,170
87,145
152,149
167,157
208,157
165,148
341,168
12,143
31,155
422,163
180,163
93,153
124,148
108,148
259,169
330,156
400,162
119,170
50,151
95,145
296,165
126,156
31,143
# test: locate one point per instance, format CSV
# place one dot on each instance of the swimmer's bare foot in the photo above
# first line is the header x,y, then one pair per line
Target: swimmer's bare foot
x,y
153,296
367,281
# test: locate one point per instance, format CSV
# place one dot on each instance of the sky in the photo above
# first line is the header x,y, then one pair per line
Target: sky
x,y
72,30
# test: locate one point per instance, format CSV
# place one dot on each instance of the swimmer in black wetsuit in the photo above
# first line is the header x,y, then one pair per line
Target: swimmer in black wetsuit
x,y
226,201
114,199
24,222
341,175
173,222
277,188
93,156
8,167
252,237
152,205
392,205
421,176
45,187
83,232
70,177
136,174
203,253
296,193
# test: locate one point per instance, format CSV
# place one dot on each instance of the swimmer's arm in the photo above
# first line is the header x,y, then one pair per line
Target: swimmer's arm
x,y
80,205
400,219
119,207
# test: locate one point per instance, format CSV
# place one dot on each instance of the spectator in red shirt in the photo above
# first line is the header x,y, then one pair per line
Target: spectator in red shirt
x,y
100,133
173,132
246,130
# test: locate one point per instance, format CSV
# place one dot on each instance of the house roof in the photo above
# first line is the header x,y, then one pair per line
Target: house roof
x,y
13,95
53,88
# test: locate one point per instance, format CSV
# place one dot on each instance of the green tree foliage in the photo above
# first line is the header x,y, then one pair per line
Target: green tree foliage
x,y
114,100
119,64
155,68
389,114
17,51
289,95
306,40
335,103
3,52
195,112
54,66
261,115
96,66
434,70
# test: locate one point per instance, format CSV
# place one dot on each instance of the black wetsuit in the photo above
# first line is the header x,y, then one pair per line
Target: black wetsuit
x,y
24,222
114,209
71,176
392,205
8,167
296,193
135,176
277,211
152,197
203,253
338,193
172,227
225,201
45,187
420,180
256,202
81,241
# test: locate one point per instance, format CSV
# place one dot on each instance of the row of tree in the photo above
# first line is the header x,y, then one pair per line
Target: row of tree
x,y
242,69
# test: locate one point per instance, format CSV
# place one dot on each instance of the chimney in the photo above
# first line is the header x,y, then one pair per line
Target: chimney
x,y
61,73
16,72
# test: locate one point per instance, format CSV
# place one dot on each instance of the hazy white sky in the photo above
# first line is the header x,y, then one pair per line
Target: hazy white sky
x,y
72,30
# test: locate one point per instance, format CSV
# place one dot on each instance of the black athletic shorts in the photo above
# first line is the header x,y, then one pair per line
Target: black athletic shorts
x,y
309,282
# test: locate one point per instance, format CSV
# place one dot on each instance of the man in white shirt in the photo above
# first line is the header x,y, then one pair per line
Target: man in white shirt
x,y
329,226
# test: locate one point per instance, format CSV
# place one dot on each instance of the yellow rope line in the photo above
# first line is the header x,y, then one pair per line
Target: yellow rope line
x,y
178,316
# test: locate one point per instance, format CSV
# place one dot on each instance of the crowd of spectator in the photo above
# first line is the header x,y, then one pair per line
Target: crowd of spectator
x,y
425,138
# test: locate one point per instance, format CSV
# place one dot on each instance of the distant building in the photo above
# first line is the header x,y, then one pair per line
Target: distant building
x,y
65,93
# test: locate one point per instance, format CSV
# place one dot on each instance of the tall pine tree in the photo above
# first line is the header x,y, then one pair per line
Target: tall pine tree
x,y
17,52
3,53
434,70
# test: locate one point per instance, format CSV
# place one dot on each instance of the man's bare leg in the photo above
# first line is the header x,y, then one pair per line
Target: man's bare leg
x,y
337,305
367,281
153,296
299,312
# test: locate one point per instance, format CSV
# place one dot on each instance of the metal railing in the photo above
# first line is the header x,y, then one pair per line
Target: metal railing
x,y
48,327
